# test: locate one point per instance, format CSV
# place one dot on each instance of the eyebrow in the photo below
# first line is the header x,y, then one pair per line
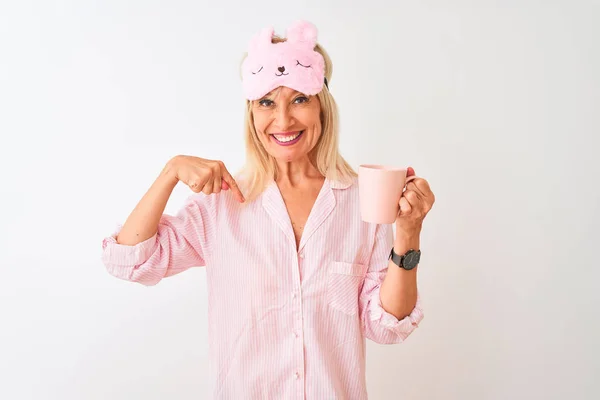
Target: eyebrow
x,y
293,94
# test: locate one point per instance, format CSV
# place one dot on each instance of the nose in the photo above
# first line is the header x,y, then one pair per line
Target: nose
x,y
281,69
283,118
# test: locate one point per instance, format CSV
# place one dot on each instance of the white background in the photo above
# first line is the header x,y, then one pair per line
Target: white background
x,y
495,103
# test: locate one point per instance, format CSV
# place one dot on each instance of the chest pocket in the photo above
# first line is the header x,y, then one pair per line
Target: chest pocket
x,y
343,284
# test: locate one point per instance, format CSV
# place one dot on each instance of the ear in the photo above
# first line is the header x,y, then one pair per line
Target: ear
x,y
261,39
302,32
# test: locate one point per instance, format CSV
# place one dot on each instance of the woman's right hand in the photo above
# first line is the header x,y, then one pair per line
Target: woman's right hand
x,y
202,175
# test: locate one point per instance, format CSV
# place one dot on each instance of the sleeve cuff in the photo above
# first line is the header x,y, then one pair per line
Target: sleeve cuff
x,y
401,327
116,254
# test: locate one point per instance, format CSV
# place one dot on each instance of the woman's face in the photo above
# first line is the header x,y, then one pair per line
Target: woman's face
x,y
288,123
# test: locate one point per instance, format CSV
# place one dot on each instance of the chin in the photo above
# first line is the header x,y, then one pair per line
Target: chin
x,y
288,156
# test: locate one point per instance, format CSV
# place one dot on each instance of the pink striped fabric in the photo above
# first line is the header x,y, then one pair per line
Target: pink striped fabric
x,y
284,323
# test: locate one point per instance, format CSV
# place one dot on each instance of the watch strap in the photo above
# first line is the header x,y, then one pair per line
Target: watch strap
x,y
396,258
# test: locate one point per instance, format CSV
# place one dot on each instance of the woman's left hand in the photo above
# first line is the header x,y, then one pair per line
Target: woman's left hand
x,y
415,203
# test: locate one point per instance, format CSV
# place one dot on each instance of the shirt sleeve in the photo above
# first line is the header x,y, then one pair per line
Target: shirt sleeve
x,y
379,325
181,241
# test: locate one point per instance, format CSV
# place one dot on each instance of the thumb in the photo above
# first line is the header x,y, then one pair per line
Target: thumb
x,y
410,172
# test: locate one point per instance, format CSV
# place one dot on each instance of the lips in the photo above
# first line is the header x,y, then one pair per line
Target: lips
x,y
287,139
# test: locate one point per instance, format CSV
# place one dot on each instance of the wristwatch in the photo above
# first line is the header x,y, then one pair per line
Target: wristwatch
x,y
408,260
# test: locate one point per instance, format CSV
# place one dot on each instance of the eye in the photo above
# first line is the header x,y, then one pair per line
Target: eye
x,y
257,71
265,102
305,66
303,98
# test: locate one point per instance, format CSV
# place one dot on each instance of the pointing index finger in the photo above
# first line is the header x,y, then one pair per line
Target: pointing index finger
x,y
233,185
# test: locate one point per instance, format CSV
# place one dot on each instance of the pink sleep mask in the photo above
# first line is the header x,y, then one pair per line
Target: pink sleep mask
x,y
293,63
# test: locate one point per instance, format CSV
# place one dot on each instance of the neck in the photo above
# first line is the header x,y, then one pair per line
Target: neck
x,y
294,173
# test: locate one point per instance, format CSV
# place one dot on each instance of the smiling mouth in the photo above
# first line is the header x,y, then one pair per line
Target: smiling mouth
x,y
287,139
282,74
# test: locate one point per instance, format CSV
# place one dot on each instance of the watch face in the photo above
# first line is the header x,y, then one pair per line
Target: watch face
x,y
411,259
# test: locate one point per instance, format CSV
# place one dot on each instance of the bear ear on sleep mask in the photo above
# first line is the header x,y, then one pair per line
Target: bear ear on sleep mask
x,y
293,63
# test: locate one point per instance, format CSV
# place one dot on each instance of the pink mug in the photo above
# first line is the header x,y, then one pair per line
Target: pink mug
x,y
380,188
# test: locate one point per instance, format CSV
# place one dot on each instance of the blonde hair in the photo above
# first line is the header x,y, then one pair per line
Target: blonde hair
x,y
260,168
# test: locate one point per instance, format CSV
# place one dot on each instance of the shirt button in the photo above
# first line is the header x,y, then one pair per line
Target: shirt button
x,y
293,295
297,375
296,334
301,254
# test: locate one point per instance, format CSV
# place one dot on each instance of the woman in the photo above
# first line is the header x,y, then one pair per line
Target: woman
x,y
296,281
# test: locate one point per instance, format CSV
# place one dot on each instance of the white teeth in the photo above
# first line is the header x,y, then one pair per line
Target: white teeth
x,y
287,138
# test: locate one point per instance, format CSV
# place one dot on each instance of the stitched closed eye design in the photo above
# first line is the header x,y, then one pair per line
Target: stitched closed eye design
x,y
305,66
280,68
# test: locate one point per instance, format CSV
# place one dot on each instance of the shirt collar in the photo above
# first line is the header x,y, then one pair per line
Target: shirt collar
x,y
338,184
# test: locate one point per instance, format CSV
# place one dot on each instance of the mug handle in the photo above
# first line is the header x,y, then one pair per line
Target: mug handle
x,y
410,178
